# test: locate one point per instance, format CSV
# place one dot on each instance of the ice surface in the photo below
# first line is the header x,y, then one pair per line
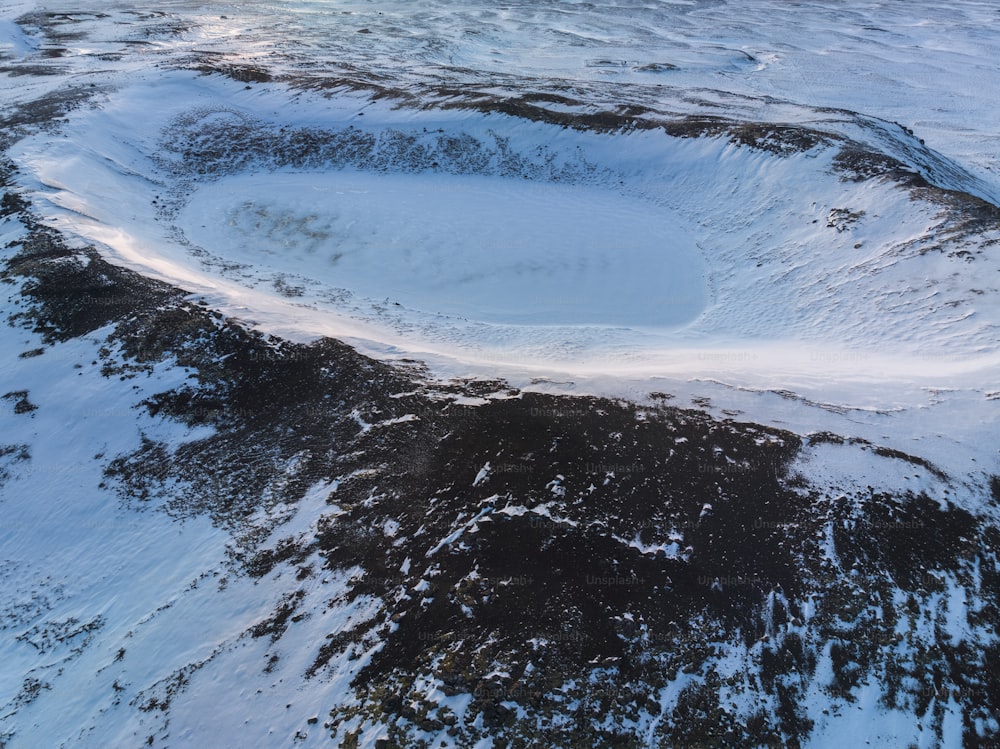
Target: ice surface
x,y
494,250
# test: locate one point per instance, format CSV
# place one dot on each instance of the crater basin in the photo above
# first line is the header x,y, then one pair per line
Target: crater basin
x,y
492,250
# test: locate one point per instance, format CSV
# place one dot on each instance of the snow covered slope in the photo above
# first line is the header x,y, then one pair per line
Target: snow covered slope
x,y
472,375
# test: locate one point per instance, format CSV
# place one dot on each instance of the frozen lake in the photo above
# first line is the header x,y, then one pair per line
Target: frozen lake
x,y
495,250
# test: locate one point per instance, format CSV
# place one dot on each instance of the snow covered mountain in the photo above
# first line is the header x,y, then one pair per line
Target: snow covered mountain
x,y
465,375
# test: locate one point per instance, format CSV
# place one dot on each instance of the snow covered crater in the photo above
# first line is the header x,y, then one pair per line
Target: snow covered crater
x,y
493,250
466,239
